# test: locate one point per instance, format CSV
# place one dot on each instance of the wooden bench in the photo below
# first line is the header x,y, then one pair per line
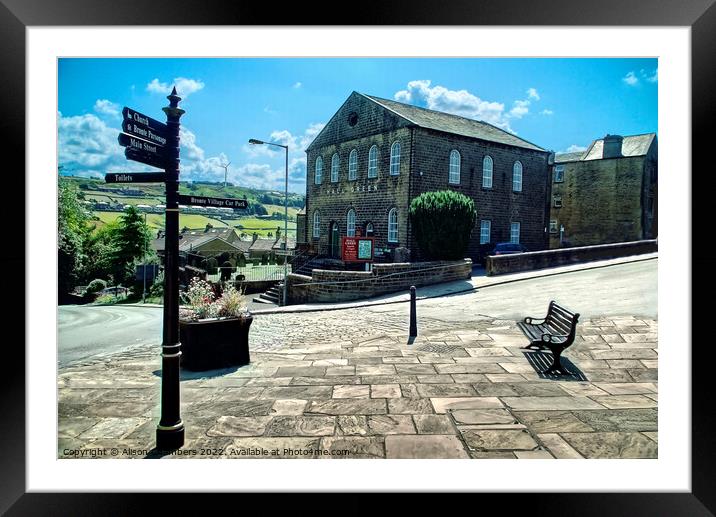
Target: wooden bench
x,y
555,333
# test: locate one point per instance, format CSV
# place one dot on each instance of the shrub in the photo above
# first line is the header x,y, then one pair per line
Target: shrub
x,y
241,261
210,265
96,286
442,221
157,288
264,260
280,259
256,262
272,258
226,270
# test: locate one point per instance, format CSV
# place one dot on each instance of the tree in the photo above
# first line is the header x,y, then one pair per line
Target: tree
x,y
100,249
72,230
132,242
442,222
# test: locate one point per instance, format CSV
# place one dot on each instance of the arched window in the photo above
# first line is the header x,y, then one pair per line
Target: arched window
x,y
487,172
373,162
316,224
351,223
353,165
393,225
395,159
369,231
454,171
318,177
517,177
334,168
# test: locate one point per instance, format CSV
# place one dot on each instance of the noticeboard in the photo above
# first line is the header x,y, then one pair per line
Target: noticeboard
x,y
357,249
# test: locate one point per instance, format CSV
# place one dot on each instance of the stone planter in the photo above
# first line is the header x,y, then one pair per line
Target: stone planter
x,y
214,343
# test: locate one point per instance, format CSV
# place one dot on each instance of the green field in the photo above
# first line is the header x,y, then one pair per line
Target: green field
x,y
260,226
122,199
292,211
156,221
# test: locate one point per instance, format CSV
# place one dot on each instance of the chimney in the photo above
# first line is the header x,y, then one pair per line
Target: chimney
x,y
209,226
612,146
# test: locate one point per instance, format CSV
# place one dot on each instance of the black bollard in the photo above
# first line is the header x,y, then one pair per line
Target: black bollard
x,y
413,317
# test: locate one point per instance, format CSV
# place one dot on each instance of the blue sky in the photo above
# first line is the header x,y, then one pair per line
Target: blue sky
x,y
559,104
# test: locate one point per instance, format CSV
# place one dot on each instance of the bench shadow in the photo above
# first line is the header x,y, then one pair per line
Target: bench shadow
x,y
540,361
186,375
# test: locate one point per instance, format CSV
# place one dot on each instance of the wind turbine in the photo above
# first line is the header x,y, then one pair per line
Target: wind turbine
x,y
226,169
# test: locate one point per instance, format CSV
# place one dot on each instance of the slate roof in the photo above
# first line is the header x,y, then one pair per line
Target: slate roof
x,y
262,244
195,237
455,124
633,145
189,245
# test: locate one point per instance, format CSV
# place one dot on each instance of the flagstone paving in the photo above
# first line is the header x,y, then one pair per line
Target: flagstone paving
x,y
339,387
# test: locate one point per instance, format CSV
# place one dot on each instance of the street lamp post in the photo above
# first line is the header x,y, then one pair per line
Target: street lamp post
x,y
254,141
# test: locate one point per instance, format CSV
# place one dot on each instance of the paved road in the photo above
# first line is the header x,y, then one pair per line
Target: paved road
x,y
89,331
624,289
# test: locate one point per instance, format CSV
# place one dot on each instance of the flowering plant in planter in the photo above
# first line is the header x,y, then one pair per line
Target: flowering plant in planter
x,y
214,332
201,302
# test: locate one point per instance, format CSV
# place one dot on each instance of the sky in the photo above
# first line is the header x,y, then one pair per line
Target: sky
x,y
558,104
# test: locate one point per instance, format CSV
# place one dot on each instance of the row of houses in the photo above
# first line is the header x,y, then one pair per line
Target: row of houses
x,y
375,155
209,242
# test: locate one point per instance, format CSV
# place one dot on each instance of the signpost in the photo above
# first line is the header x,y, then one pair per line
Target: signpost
x,y
213,201
154,143
135,177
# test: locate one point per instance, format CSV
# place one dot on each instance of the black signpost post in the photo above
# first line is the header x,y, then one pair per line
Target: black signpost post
x,y
170,431
153,143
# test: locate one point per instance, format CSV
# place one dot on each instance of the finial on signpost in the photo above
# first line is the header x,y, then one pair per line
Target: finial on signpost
x,y
173,111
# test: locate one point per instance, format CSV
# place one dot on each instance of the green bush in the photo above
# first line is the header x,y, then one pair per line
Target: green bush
x,y
96,285
442,222
280,259
241,261
256,261
264,260
210,265
157,289
272,258
226,270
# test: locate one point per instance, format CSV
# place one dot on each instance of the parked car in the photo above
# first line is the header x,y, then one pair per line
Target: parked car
x,y
507,248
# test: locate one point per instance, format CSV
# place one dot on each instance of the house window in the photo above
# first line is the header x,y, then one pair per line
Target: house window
x,y
353,165
369,231
318,177
553,226
316,224
395,159
454,171
351,224
373,162
517,177
515,233
487,172
559,174
393,225
557,201
334,168
485,227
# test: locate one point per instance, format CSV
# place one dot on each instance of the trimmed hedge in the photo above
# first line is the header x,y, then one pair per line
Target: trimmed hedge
x,y
442,221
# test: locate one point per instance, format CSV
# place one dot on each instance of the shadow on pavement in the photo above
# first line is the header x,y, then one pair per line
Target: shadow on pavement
x,y
540,361
186,375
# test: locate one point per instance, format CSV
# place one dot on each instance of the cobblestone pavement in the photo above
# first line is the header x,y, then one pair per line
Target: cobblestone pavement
x,y
347,384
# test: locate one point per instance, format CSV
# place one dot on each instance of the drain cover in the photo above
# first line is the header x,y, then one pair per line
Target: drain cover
x,y
439,349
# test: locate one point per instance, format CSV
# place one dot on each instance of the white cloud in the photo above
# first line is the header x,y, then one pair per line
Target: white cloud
x,y
297,84
184,86
105,107
464,103
631,79
546,112
574,148
263,175
87,146
652,77
520,109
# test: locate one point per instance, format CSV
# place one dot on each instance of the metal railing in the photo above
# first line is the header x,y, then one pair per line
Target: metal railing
x,y
251,273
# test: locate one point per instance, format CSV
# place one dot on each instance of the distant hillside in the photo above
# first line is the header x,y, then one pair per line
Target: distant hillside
x,y
264,214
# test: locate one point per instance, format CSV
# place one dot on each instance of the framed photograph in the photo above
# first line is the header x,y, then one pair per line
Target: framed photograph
x,y
547,129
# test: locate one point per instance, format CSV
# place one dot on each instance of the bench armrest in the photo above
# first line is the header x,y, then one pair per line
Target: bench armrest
x,y
547,338
530,321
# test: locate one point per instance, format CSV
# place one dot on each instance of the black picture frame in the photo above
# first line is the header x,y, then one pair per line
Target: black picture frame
x,y
699,15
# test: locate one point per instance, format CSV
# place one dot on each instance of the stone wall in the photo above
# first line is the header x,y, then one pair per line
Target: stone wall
x,y
500,264
339,286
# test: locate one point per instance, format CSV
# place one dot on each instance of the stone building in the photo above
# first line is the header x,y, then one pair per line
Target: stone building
x,y
375,155
605,194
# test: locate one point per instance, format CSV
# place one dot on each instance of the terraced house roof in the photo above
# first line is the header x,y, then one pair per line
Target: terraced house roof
x,y
634,145
455,124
